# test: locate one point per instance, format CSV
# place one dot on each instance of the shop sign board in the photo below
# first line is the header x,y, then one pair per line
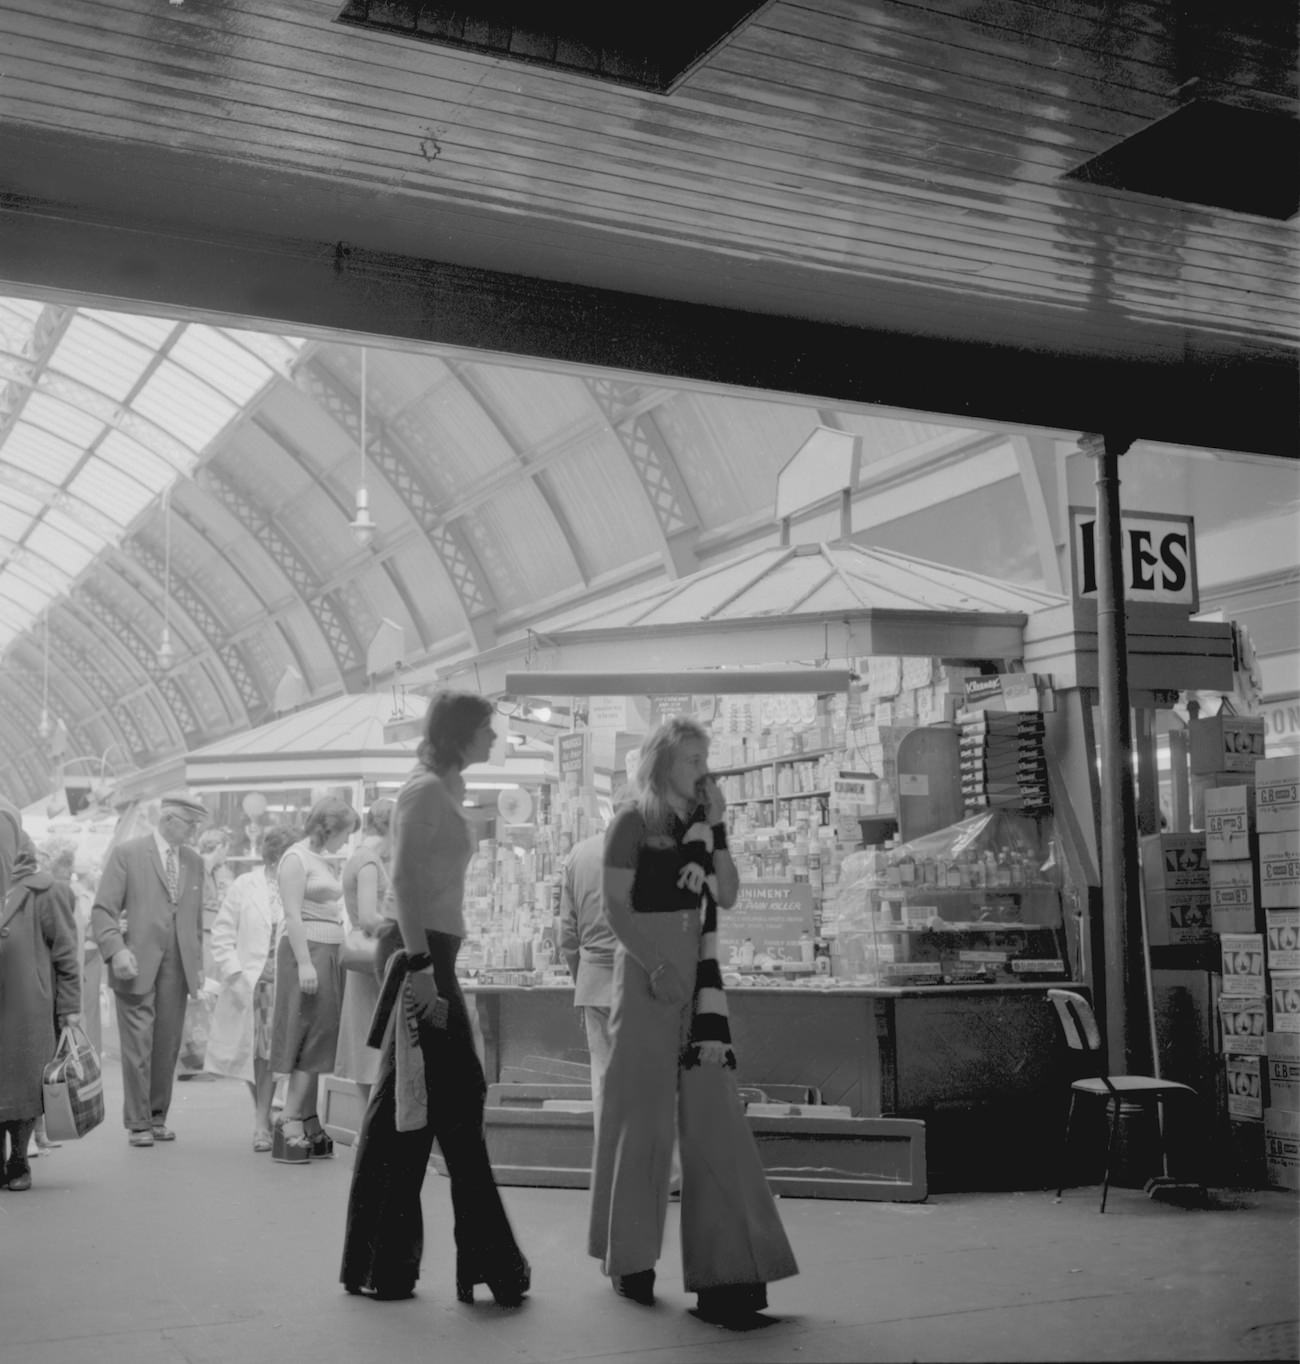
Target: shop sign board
x,y
1159,556
773,915
627,714
571,752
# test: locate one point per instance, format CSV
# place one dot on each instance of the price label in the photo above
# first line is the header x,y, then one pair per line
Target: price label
x,y
1033,965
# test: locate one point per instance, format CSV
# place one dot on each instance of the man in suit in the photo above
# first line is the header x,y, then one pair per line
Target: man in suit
x,y
148,922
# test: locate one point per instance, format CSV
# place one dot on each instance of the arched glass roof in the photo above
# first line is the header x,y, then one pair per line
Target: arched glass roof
x,y
102,412
509,496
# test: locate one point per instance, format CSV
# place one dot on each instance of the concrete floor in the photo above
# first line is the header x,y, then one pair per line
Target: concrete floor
x,y
203,1251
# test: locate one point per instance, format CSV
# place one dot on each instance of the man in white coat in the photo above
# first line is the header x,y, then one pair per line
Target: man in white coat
x,y
243,942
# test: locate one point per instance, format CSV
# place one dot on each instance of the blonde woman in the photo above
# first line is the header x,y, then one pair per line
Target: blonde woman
x,y
666,871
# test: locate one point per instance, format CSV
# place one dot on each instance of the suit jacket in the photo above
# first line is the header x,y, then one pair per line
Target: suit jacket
x,y
132,909
586,939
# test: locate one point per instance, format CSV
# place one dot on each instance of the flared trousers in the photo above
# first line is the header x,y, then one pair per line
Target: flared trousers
x,y
384,1235
731,1231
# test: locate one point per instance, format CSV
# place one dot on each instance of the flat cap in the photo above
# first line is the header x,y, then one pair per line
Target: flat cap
x,y
183,803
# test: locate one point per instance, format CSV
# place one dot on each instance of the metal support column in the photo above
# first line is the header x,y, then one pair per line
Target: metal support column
x,y
1126,1013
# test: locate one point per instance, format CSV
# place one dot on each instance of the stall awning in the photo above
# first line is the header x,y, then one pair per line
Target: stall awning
x,y
783,604
341,739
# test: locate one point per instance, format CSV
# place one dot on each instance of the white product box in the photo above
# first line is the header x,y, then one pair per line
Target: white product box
x,y
1245,1093
1226,743
1243,963
1279,870
1283,1076
1243,1018
1175,862
1282,939
1282,1155
1227,823
1233,896
1284,987
1278,794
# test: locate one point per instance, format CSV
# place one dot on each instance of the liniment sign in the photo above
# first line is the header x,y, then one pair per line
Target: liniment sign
x,y
1159,557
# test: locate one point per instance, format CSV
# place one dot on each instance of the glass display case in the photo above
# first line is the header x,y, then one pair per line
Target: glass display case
x,y
978,901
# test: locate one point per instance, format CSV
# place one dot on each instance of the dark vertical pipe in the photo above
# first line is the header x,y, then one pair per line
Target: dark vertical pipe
x,y
1126,1014
1180,807
1148,771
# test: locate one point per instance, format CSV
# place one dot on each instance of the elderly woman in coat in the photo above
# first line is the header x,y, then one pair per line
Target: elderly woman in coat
x,y
243,955
40,991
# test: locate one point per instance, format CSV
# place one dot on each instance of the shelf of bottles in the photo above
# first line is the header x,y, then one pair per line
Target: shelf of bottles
x,y
970,912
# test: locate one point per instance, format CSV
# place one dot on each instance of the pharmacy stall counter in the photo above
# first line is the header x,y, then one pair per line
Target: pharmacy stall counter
x,y
980,1064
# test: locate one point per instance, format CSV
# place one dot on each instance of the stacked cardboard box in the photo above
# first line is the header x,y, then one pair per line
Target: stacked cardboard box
x,y
1222,751
1176,889
1277,782
1003,762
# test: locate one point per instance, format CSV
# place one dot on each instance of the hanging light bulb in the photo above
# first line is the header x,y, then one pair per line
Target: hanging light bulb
x,y
166,653
44,726
363,527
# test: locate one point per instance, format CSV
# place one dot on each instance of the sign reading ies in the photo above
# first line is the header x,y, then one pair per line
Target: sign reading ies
x,y
1159,557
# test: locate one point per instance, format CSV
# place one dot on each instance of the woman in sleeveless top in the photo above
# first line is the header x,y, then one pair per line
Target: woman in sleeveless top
x,y
308,978
365,889
384,1237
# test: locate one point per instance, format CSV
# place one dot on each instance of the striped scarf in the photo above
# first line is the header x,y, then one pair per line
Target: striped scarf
x,y
709,1019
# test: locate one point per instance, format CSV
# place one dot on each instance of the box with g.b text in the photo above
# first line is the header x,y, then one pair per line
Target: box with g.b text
x,y
1229,818
1277,786
1279,870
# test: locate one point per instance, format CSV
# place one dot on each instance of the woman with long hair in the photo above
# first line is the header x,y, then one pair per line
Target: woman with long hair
x,y
309,978
667,870
432,845
243,956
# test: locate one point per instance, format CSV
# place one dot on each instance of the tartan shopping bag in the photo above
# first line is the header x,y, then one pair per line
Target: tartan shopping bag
x,y
73,1088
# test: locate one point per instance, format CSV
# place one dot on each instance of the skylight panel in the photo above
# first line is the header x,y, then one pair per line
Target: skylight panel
x,y
13,521
279,352
114,492
103,529
130,457
184,405
19,499
104,359
58,548
150,331
35,572
66,523
19,596
64,419
217,360
30,448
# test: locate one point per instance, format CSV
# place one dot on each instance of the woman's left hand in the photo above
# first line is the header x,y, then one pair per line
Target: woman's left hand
x,y
715,803
713,1053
